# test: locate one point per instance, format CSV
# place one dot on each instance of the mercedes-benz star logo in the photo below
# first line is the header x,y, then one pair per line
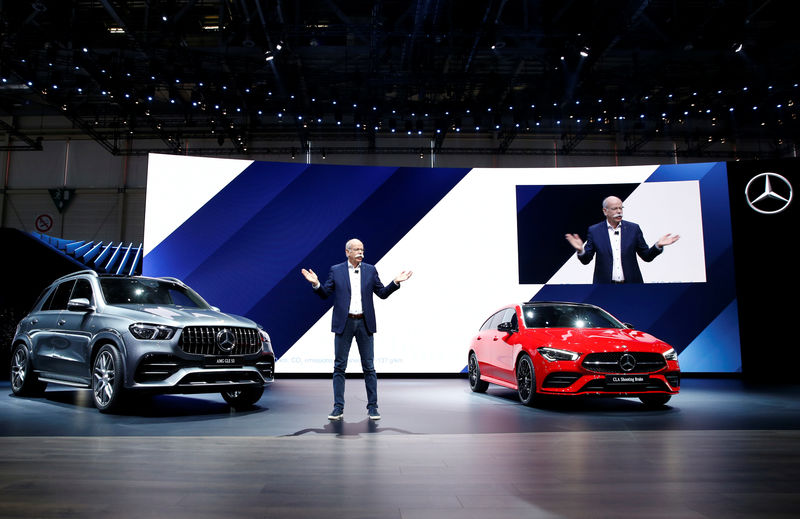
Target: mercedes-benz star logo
x,y
771,195
627,362
226,339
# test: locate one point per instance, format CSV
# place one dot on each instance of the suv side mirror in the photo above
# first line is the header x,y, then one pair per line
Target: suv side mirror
x,y
628,326
80,304
507,327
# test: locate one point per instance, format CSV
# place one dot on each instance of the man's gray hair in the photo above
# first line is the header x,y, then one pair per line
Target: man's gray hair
x,y
605,201
350,243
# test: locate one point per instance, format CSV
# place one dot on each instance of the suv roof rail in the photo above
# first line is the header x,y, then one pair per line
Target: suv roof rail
x,y
170,278
90,272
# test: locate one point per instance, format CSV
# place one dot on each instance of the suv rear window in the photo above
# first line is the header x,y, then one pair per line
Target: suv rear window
x,y
144,291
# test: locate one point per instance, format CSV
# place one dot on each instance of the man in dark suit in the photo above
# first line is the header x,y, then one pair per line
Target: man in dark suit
x,y
616,244
352,284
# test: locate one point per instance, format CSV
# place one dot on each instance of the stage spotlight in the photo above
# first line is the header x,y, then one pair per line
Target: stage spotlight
x,y
737,47
324,155
585,52
268,56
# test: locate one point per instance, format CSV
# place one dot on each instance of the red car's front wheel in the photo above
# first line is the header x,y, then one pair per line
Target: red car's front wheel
x,y
526,381
475,383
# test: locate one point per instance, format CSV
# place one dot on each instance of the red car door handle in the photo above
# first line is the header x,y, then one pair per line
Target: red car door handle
x,y
494,338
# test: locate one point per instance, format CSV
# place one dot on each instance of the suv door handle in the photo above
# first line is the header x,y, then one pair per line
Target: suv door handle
x,y
61,321
34,321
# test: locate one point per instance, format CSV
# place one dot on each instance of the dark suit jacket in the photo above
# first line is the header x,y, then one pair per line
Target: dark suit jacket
x,y
633,243
338,285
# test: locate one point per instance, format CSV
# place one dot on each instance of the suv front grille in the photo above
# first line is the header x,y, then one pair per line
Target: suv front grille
x,y
609,362
202,340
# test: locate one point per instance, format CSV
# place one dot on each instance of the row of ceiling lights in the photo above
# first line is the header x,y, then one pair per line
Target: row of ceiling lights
x,y
669,98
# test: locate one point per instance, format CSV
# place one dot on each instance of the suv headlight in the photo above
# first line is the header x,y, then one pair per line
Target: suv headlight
x,y
155,332
554,354
670,354
266,342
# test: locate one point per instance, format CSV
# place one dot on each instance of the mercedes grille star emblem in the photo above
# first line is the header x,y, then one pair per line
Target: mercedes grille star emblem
x,y
627,362
226,340
771,193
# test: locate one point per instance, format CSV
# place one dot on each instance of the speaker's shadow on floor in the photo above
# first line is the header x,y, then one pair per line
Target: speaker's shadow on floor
x,y
347,429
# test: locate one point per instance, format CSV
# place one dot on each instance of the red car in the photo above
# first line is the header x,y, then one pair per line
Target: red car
x,y
548,348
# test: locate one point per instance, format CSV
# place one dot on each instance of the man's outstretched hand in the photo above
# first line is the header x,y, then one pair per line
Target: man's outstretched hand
x,y
668,239
403,276
310,276
575,241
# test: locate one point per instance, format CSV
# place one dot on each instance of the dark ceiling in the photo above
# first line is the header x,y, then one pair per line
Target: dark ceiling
x,y
355,71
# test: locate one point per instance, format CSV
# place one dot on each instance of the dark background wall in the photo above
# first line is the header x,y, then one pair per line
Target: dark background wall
x,y
764,247
27,267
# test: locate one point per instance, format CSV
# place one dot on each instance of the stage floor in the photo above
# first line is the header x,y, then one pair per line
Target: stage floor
x,y
722,448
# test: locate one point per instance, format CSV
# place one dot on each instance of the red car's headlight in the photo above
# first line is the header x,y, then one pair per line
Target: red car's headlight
x,y
554,354
670,354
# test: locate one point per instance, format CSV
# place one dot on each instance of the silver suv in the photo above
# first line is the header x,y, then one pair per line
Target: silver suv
x,y
126,334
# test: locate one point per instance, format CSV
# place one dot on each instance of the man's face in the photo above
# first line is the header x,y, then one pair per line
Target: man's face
x,y
355,254
613,211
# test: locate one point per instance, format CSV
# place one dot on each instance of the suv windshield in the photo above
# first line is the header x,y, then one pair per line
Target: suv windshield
x,y
567,316
146,291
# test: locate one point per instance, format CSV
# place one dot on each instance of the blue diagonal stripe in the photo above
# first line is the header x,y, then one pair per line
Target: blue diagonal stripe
x,y
215,223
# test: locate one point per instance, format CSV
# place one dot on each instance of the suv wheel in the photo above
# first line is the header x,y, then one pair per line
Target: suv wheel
x,y
107,379
24,381
243,398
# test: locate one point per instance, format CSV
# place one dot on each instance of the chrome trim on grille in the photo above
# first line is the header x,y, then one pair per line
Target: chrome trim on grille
x,y
202,340
608,362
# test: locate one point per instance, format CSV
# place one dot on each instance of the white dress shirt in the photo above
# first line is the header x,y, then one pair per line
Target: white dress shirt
x,y
615,237
355,289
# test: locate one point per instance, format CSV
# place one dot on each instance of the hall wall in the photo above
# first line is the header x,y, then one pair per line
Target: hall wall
x,y
109,196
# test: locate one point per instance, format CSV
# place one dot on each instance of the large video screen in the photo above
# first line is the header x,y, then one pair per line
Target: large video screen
x,y
239,232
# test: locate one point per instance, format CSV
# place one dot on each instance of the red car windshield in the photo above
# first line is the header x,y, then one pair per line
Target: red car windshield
x,y
567,316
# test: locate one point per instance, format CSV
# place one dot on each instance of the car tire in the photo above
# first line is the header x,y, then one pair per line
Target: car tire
x,y
475,383
244,398
24,382
526,381
107,380
654,401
